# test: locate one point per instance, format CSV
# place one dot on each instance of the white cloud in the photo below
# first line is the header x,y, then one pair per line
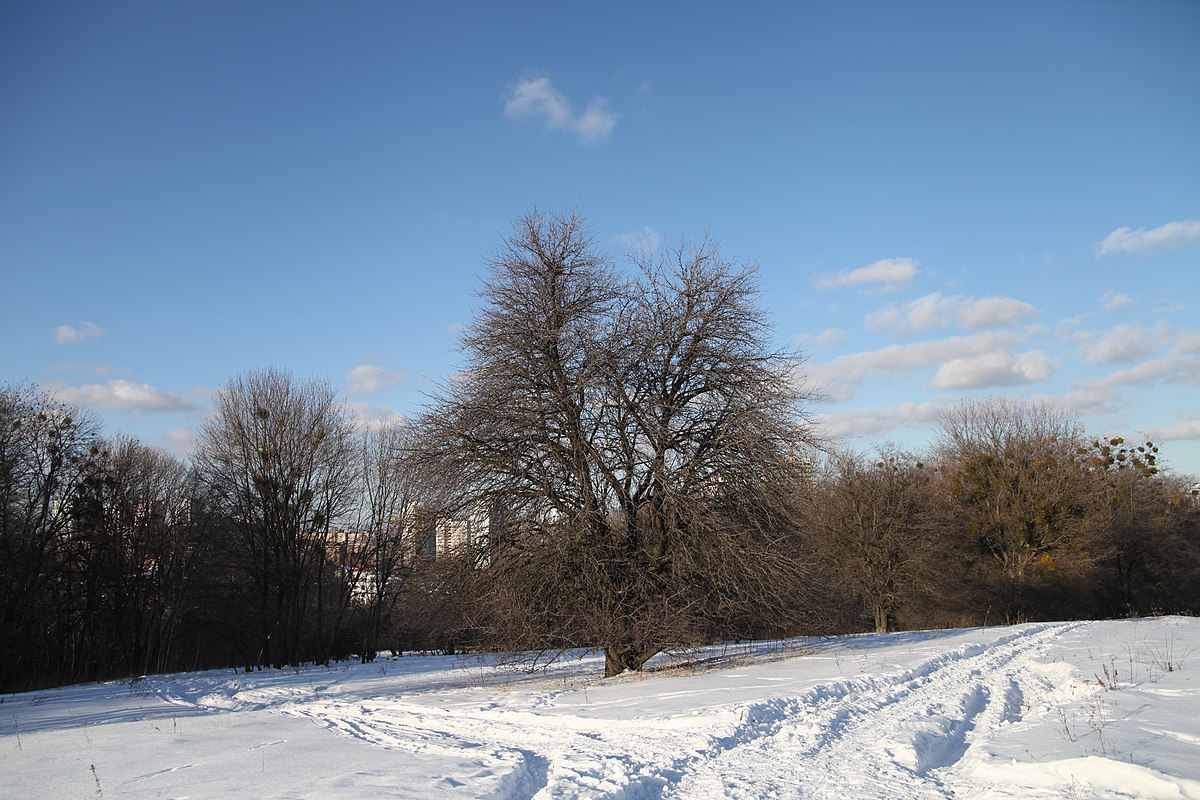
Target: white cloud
x,y
1142,240
1188,343
122,395
874,422
1178,368
1085,401
817,341
537,97
890,274
70,334
1114,300
647,240
998,368
936,310
372,416
180,441
369,378
1123,344
1187,429
597,122
840,378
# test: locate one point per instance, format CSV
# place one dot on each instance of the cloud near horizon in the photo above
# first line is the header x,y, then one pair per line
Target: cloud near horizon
x,y
975,361
647,240
1176,368
121,395
889,275
181,441
1186,429
937,310
537,97
370,378
863,423
72,334
1147,240
1122,344
997,368
373,417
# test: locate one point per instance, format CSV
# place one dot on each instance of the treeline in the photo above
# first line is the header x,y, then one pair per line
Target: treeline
x,y
1013,514
625,463
118,559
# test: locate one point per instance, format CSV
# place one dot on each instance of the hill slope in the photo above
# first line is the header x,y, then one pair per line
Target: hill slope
x,y
1095,709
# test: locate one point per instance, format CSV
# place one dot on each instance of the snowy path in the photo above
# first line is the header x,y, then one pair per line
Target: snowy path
x,y
882,736
1106,710
886,736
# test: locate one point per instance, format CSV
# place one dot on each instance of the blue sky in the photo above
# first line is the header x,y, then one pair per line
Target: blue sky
x,y
946,200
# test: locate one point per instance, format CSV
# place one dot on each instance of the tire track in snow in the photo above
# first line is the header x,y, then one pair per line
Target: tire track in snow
x,y
538,756
883,736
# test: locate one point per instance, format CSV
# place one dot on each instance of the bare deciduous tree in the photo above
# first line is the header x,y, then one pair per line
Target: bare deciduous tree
x,y
1017,488
133,514
641,435
871,520
280,458
44,449
388,518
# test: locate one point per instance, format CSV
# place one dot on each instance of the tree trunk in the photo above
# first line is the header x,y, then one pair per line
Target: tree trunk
x,y
881,618
619,659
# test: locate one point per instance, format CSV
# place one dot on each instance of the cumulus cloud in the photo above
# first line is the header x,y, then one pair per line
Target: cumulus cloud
x,y
1123,344
889,275
1176,368
647,240
1186,429
71,334
1085,400
537,97
874,422
839,379
372,416
1143,240
1188,343
370,378
123,395
1114,300
936,310
997,368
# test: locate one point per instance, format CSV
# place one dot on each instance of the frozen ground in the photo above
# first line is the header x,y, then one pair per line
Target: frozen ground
x,y
1094,709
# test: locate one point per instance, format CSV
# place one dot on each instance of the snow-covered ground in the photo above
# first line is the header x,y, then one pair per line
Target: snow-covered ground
x,y
1094,709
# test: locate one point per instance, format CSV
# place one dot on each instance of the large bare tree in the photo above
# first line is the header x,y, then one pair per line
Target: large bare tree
x,y
279,456
641,436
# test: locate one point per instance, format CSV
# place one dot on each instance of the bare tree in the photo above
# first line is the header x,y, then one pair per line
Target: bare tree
x,y
280,458
45,446
388,518
133,516
872,523
1017,488
641,435
1139,515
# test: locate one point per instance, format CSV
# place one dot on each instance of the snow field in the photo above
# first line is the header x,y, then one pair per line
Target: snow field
x,y
1092,709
